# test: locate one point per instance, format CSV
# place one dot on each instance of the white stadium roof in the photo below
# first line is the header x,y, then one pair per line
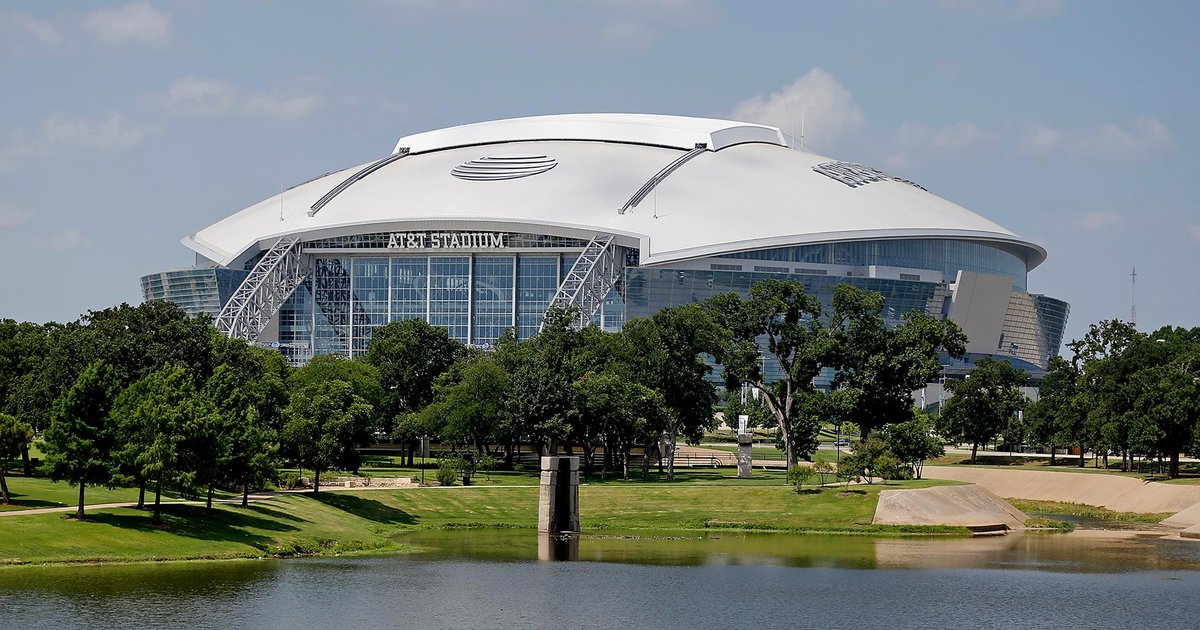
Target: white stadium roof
x,y
741,188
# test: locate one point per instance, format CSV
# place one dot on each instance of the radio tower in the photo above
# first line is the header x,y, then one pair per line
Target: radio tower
x,y
1133,298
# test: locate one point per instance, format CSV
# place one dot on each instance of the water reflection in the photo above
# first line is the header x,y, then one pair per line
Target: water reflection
x,y
493,578
1080,552
557,547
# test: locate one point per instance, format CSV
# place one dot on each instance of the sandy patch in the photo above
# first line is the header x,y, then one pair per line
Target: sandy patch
x,y
968,506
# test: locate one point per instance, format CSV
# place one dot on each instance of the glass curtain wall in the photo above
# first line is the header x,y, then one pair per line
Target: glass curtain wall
x,y
450,294
492,283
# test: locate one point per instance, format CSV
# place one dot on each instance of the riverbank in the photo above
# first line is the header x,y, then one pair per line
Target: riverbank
x,y
376,521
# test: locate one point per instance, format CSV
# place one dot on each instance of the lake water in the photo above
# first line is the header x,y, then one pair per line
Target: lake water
x,y
494,579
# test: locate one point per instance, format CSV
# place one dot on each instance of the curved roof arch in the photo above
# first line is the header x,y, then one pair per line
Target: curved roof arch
x,y
746,190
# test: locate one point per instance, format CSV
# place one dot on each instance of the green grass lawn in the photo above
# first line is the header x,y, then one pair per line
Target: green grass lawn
x,y
770,453
281,526
37,492
30,493
1087,511
375,520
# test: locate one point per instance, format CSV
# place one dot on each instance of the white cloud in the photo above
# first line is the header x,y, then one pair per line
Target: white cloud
x,y
65,240
816,101
1143,137
133,23
952,137
59,133
1092,221
914,140
283,106
635,24
1146,135
201,95
21,33
110,132
1194,232
11,217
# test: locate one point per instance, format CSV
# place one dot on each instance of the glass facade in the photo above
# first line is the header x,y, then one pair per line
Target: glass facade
x,y
476,297
537,281
947,256
450,294
196,291
492,283
1033,328
361,282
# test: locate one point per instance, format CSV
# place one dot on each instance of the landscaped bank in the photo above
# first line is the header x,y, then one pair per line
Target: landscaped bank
x,y
377,520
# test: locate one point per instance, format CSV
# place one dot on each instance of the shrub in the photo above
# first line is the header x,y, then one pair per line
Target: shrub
x,y
448,469
289,481
487,464
824,471
798,474
891,469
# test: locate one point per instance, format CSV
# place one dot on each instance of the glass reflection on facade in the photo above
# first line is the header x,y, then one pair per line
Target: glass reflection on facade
x,y
537,281
202,290
1033,328
449,294
947,256
358,284
492,285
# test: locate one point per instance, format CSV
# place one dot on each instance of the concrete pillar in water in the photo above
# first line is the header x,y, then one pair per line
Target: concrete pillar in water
x,y
558,499
744,455
557,547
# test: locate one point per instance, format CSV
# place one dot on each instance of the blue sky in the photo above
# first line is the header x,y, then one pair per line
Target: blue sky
x,y
126,126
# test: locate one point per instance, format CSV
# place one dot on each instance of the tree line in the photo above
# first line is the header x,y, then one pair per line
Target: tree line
x,y
149,397
1125,392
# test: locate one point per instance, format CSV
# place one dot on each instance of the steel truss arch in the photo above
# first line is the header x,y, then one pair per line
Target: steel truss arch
x,y
260,296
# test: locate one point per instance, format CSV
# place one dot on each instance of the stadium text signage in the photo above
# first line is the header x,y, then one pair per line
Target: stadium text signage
x,y
447,240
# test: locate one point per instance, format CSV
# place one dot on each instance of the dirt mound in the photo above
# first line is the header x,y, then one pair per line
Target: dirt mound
x,y
967,506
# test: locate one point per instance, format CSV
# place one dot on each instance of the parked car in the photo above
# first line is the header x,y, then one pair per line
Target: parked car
x,y
842,442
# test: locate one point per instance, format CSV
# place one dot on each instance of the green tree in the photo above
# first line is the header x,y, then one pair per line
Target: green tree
x,y
780,312
23,346
409,356
80,442
326,422
1107,390
667,356
1167,399
1057,418
472,408
982,403
757,414
911,443
542,373
362,377
15,438
164,432
249,393
625,412
863,458
882,363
